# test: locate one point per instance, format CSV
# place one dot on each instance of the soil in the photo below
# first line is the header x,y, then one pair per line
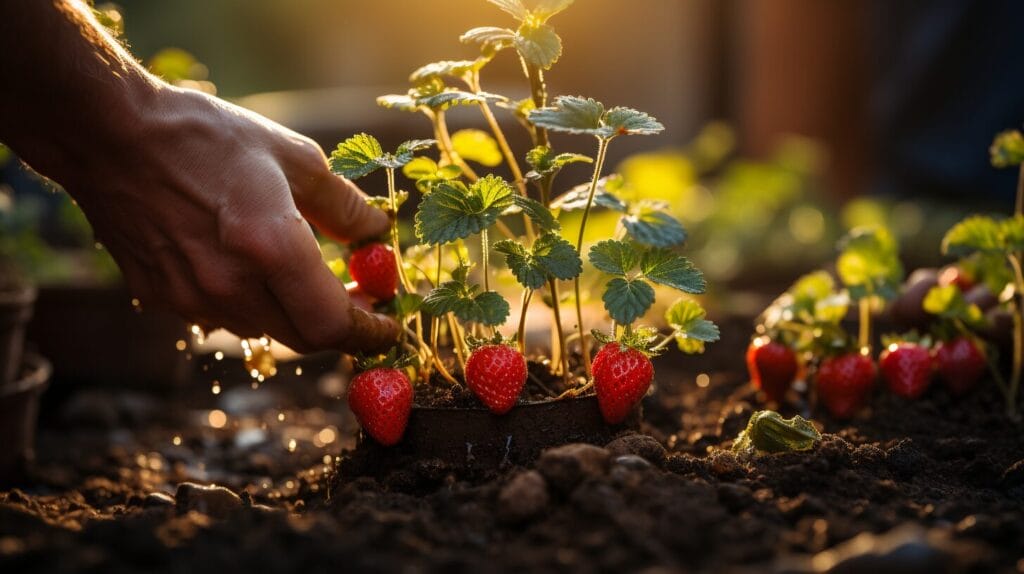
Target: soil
x,y
935,485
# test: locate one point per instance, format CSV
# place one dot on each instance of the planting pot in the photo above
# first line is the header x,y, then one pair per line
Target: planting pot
x,y
93,336
15,311
476,439
19,407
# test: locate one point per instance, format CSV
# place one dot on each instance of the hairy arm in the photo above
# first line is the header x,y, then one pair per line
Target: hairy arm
x,y
203,204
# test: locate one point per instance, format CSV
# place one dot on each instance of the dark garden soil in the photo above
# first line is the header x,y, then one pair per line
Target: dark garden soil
x,y
935,485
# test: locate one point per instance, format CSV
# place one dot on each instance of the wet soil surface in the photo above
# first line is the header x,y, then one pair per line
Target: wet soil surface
x,y
935,485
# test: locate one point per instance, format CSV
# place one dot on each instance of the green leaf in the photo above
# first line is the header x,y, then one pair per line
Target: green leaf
x,y
976,233
545,9
768,432
550,257
576,198
614,257
812,287
627,121
425,172
514,7
538,45
357,156
691,329
404,153
401,102
544,162
650,225
487,308
540,215
626,300
1007,149
571,114
490,38
407,304
831,309
453,211
947,301
383,202
869,262
451,68
664,267
478,146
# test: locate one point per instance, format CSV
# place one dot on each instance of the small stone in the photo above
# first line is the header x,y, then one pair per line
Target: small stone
x,y
640,445
631,462
214,501
906,549
735,497
565,466
523,498
158,500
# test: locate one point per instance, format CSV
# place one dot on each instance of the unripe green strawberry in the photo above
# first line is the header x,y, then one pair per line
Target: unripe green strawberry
x,y
374,268
622,376
496,374
381,398
845,382
772,367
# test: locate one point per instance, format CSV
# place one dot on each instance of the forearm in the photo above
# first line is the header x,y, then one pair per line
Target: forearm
x,y
70,90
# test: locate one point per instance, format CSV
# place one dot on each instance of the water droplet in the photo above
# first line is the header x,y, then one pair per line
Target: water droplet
x,y
176,441
217,418
292,445
219,355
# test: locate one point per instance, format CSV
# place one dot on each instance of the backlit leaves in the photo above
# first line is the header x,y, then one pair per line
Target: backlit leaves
x,y
550,257
980,234
578,115
667,268
467,302
626,300
361,155
690,328
604,196
1007,149
869,263
651,225
478,146
454,211
538,45
614,257
544,162
535,210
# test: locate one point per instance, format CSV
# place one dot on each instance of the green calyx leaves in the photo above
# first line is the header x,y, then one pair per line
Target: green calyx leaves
x,y
361,155
454,211
1007,149
869,263
544,162
551,256
628,295
691,330
466,301
986,235
768,432
579,115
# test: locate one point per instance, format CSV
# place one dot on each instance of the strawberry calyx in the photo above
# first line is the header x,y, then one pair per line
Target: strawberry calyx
x,y
912,337
390,360
642,339
475,343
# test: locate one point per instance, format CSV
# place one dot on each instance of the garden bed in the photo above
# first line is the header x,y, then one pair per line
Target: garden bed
x,y
942,477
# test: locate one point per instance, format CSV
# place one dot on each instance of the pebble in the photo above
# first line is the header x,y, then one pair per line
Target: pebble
x,y
640,445
523,498
906,549
631,462
565,466
158,500
214,501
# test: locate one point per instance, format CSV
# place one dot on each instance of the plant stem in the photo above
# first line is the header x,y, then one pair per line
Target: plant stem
x,y
521,334
485,247
563,354
458,342
539,93
864,334
1018,336
397,248
444,143
602,150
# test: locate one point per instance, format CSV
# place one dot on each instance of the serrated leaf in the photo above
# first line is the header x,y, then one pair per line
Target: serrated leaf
x,y
571,114
453,211
627,121
550,257
450,98
401,102
540,215
384,203
576,198
451,68
357,156
690,328
420,167
487,308
812,287
1007,149
869,263
538,45
404,153
664,267
650,225
544,162
490,37
514,7
626,300
407,304
614,257
477,145
545,9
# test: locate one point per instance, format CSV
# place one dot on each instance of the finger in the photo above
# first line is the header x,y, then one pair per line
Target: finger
x,y
338,207
136,275
316,301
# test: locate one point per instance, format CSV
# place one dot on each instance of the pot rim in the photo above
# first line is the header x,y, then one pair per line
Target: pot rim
x,y
36,378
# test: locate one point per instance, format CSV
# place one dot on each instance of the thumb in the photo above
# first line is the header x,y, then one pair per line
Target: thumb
x,y
338,207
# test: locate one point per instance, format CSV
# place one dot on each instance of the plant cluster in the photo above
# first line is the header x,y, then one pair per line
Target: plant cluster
x,y
443,288
805,327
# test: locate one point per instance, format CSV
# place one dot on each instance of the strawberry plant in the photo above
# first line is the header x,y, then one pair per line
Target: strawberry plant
x,y
445,288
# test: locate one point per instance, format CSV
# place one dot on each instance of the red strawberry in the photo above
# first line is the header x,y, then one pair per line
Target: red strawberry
x,y
772,367
907,369
381,399
622,376
374,268
844,383
496,374
953,275
960,363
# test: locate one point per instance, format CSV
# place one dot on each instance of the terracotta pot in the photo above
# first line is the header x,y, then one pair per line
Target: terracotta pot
x,y
15,311
476,439
19,408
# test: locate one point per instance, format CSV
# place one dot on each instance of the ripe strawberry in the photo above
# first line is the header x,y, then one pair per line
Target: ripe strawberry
x,y
907,369
374,268
381,399
954,275
496,374
844,383
622,376
772,367
960,363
